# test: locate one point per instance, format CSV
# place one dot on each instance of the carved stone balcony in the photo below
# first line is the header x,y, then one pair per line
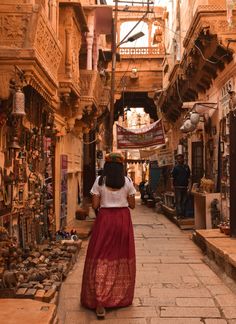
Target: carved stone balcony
x,y
207,52
28,41
94,93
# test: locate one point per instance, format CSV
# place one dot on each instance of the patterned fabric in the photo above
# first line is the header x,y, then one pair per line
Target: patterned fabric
x,y
114,157
110,266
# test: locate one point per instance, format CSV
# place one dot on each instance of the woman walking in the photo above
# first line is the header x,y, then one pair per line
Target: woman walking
x,y
110,268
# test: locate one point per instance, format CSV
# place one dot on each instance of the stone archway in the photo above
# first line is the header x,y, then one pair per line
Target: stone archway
x,y
135,100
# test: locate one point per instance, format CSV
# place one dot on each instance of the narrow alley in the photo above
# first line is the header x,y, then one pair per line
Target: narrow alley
x,y
173,283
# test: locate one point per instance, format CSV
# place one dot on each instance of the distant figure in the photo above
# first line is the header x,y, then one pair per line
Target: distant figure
x,y
109,270
180,177
142,189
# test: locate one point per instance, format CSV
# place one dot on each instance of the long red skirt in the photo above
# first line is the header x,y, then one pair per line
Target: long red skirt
x,y
110,267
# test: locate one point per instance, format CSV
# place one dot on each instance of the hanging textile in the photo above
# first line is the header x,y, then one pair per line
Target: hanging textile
x,y
142,137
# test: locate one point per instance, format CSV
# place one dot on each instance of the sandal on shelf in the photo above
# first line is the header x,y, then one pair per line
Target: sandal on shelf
x,y
100,312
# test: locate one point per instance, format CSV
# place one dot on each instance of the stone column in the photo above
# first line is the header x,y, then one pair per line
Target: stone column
x,y
149,33
89,39
68,52
95,52
68,41
53,17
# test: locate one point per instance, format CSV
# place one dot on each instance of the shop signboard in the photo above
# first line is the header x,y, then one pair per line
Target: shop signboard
x,y
141,137
165,157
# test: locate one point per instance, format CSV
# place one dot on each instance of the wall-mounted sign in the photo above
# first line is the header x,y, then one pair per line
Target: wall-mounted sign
x,y
225,97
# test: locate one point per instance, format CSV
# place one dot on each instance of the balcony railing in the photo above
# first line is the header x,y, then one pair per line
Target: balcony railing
x,y
142,52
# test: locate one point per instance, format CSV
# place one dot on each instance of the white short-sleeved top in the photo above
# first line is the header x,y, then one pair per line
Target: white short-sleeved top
x,y
113,198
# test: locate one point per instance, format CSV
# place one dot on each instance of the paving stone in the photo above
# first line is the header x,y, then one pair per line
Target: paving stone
x,y
192,302
219,289
201,269
72,304
197,292
76,317
142,312
155,277
190,279
226,300
122,321
176,321
190,312
142,292
229,312
158,301
211,280
181,269
170,260
70,291
215,321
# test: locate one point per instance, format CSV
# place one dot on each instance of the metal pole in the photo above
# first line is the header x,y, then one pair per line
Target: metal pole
x,y
113,69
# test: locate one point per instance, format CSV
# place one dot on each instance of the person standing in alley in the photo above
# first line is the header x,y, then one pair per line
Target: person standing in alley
x,y
110,265
180,182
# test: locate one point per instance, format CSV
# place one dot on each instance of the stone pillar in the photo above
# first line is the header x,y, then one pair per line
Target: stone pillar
x,y
68,52
149,33
53,17
89,39
95,53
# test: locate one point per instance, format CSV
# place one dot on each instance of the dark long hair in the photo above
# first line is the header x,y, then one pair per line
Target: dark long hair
x,y
113,175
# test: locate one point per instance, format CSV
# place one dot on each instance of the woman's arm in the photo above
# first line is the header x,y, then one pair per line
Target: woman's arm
x,y
131,201
96,201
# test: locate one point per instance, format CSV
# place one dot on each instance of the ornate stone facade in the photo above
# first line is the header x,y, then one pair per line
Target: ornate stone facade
x,y
40,59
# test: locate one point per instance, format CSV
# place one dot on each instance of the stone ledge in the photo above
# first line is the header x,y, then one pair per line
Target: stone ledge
x,y
82,227
184,223
219,248
23,311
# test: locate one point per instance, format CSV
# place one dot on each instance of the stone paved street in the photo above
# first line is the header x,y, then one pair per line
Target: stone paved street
x,y
173,283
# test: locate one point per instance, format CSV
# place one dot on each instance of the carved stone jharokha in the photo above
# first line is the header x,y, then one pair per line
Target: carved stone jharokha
x,y
205,40
94,94
26,27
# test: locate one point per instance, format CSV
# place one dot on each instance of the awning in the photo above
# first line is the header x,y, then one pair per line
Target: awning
x,y
201,107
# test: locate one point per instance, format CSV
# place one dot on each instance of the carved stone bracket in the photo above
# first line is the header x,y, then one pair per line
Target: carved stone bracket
x,y
216,23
